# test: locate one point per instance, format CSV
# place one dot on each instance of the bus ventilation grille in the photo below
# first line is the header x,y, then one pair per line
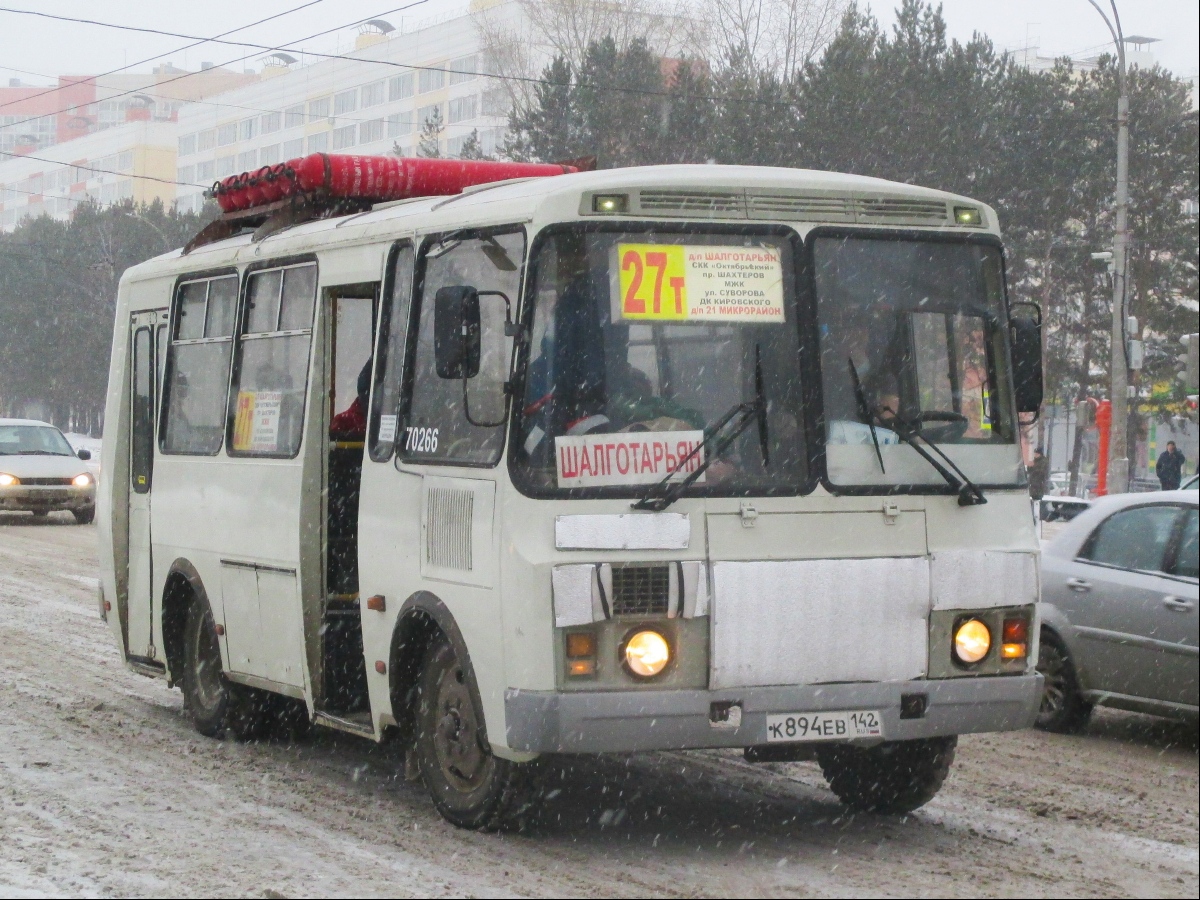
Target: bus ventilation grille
x,y
448,515
641,590
916,211
729,204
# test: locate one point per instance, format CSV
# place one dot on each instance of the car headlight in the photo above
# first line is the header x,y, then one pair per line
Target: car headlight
x,y
82,480
645,653
7,480
972,641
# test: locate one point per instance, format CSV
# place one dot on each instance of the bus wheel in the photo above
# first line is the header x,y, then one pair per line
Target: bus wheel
x,y
470,786
1063,707
214,702
893,777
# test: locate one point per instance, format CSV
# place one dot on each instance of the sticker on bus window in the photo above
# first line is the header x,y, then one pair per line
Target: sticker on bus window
x,y
694,283
387,429
256,422
637,457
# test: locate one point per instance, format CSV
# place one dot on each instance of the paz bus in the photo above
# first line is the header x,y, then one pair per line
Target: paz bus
x,y
504,462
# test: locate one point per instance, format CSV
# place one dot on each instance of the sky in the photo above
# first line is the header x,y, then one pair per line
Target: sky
x,y
36,50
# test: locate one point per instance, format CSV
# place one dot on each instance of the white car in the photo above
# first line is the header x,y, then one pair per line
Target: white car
x,y
40,473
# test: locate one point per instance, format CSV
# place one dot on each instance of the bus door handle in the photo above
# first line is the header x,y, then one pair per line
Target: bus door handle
x,y
1079,585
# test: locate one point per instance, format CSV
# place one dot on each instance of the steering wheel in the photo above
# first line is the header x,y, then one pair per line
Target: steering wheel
x,y
950,425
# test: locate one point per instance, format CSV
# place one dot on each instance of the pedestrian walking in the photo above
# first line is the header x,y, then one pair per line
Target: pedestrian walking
x,y
1038,473
1169,467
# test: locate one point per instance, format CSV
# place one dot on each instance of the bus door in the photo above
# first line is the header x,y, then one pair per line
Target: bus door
x,y
147,333
350,315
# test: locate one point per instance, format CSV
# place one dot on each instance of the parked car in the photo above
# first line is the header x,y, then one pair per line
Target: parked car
x,y
1119,610
41,473
1191,484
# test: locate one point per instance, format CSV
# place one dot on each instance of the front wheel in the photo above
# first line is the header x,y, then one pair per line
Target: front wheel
x,y
84,516
1063,708
892,777
471,787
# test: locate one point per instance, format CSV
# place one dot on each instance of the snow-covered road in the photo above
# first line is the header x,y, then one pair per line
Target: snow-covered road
x,y
106,790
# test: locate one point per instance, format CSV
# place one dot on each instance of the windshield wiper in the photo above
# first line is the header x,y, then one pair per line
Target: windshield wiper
x,y
664,493
969,493
864,411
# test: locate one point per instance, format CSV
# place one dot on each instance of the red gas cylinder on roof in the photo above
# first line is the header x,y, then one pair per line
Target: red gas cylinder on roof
x,y
373,178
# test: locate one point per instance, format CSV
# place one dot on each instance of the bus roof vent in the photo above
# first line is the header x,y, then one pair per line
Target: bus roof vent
x,y
801,207
722,204
901,211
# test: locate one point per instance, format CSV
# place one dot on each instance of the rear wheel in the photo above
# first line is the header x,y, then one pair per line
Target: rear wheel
x,y
215,703
471,787
1063,708
893,777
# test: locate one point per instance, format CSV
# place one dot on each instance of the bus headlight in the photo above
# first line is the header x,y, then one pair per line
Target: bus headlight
x,y
972,641
645,653
82,480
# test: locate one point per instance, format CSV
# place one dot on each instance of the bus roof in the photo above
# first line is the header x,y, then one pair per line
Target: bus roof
x,y
713,193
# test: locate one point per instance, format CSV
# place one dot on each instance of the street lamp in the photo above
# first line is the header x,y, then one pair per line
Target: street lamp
x,y
1118,453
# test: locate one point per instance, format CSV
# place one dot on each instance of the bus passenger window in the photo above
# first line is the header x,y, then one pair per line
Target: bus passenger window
x,y
198,368
393,333
271,375
436,427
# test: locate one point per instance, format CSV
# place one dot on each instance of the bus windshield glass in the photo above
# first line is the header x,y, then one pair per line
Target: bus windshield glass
x,y
913,344
643,343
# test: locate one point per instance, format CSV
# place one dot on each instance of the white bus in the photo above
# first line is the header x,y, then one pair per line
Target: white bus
x,y
638,459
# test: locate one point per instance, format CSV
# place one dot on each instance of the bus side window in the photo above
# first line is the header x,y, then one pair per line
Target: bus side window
x,y
389,355
197,374
436,428
271,367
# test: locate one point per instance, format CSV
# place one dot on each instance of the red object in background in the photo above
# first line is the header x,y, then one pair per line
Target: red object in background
x,y
376,178
1104,426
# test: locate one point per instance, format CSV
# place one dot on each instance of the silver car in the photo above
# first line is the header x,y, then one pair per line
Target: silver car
x,y
41,473
1119,616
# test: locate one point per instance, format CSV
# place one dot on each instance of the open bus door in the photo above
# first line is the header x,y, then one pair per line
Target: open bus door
x,y
147,339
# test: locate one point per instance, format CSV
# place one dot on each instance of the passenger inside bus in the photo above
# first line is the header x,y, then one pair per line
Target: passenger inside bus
x,y
351,423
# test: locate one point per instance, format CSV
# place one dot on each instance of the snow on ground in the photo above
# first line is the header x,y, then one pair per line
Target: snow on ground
x,y
106,790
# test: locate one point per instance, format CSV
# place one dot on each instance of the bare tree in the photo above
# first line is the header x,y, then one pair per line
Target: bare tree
x,y
780,35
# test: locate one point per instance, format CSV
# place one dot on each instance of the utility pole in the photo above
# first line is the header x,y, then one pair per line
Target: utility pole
x,y
1118,465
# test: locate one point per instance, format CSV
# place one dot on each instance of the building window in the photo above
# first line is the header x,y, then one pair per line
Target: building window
x,y
431,80
248,161
187,145
271,123
293,149
343,137
226,165
318,143
125,189
248,129
345,102
206,140
372,94
293,116
464,69
125,160
400,87
226,134
370,131
463,108
268,156
206,172
185,174
399,124
426,113
318,109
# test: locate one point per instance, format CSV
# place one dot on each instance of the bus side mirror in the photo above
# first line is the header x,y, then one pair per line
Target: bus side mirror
x,y
1026,334
456,341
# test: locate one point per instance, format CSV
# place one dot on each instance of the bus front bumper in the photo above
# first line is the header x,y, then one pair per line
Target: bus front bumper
x,y
627,721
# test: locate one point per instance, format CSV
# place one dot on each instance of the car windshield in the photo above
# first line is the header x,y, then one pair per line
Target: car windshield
x,y
33,440
643,342
911,336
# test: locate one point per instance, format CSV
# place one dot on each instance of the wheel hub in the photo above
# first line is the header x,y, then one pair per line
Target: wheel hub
x,y
456,737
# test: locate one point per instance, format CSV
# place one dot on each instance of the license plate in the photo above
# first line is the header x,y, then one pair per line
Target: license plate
x,y
824,726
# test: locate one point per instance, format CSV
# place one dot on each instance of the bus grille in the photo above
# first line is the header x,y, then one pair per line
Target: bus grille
x,y
641,590
448,515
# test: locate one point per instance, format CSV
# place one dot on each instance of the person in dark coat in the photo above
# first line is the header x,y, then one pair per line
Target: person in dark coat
x,y
1038,473
1169,467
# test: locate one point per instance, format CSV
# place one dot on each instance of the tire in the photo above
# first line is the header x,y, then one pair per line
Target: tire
x,y
893,777
40,513
84,516
470,787
215,703
1064,709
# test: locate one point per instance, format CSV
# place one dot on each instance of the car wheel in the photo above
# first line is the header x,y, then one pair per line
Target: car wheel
x,y
40,513
471,787
215,703
1063,708
84,516
892,777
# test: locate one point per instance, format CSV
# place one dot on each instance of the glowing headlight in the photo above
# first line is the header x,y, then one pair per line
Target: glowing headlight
x,y
646,653
82,480
7,480
972,641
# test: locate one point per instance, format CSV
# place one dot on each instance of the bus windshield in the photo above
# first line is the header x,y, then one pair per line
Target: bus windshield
x,y
912,343
642,344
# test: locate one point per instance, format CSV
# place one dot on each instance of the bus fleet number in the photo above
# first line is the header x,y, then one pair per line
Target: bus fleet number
x,y
420,440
